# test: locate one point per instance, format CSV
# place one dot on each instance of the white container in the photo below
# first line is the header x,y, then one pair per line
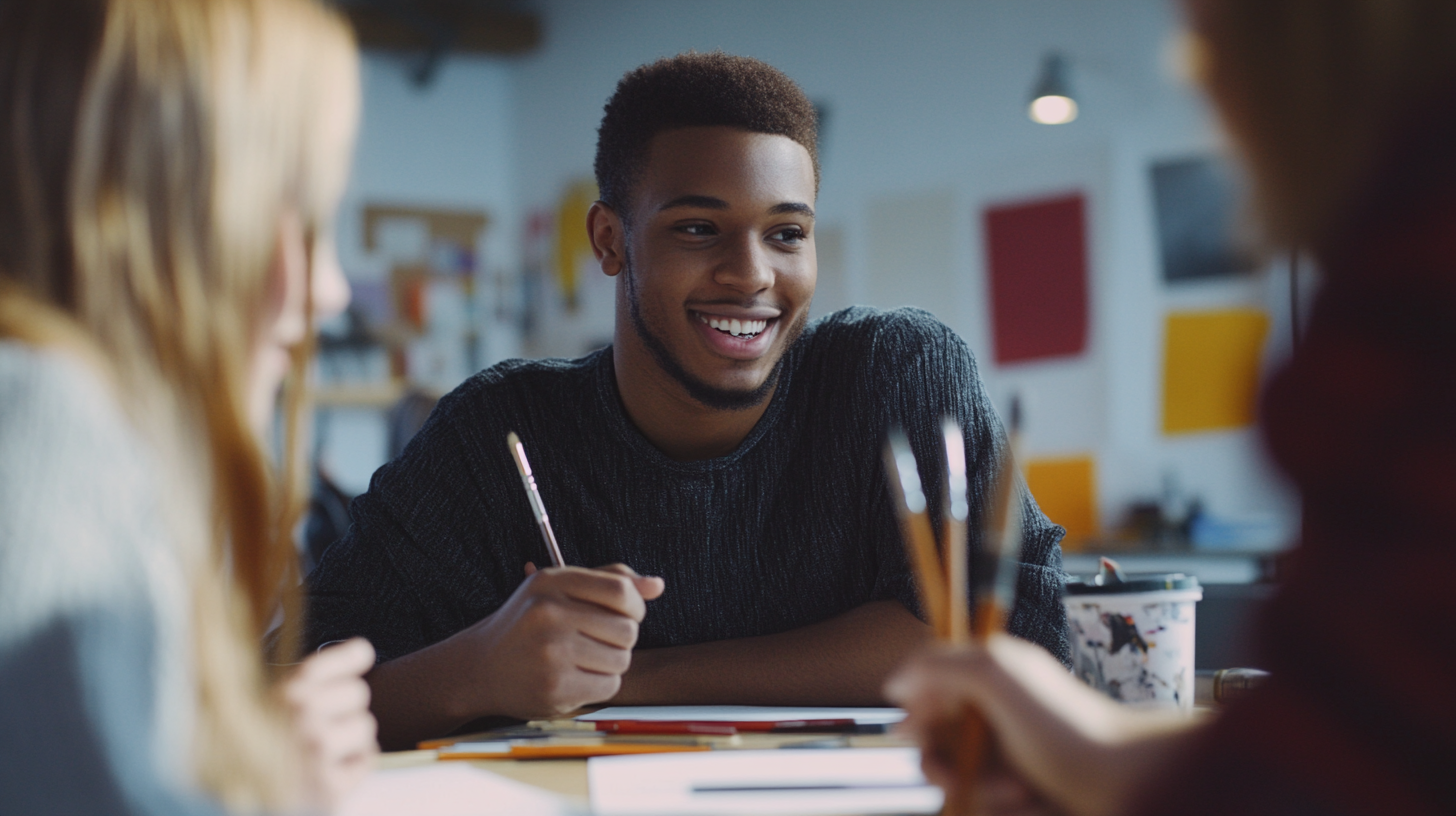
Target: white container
x,y
1132,637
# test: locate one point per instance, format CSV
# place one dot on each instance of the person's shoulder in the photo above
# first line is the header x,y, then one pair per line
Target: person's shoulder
x,y
77,485
507,396
527,378
61,420
49,398
880,335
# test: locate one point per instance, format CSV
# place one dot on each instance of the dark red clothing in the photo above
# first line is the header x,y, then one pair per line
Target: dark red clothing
x,y
1361,715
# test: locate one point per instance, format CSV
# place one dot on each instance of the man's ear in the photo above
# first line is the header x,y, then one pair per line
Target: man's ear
x,y
608,238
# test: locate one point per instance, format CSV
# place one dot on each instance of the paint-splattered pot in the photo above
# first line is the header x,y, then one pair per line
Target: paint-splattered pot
x,y
1132,637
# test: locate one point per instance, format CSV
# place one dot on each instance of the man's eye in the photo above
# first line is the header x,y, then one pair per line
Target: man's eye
x,y
697,230
791,235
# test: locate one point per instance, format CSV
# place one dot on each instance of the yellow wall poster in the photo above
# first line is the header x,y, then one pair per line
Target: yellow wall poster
x,y
1211,369
1066,490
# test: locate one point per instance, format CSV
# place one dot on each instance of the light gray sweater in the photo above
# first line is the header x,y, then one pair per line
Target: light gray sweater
x,y
94,680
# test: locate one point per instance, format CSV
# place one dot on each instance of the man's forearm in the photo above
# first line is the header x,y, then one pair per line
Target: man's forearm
x,y
840,661
414,697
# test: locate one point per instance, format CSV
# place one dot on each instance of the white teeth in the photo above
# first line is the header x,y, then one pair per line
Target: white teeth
x,y
737,328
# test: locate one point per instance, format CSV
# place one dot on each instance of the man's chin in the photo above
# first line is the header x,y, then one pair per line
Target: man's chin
x,y
726,394
735,389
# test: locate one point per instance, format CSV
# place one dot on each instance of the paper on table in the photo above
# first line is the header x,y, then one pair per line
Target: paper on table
x,y
452,789
730,713
789,783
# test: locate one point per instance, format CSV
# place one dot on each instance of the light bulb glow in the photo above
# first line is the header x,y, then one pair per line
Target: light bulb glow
x,y
1053,110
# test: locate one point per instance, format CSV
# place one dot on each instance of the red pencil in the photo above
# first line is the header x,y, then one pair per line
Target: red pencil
x,y
720,728
650,727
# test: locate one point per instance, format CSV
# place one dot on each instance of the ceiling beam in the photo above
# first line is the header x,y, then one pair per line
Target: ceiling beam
x,y
457,25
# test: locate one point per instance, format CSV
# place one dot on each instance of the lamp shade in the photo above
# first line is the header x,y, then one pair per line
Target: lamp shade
x,y
1052,102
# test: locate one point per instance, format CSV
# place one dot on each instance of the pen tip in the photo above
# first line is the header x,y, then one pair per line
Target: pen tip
x,y
512,440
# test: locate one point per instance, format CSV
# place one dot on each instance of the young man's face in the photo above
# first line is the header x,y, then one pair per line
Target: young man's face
x,y
721,263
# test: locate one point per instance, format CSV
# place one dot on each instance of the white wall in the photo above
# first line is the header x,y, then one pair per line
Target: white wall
x,y
926,104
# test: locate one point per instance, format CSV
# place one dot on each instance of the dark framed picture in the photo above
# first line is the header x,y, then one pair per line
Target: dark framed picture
x,y
1196,201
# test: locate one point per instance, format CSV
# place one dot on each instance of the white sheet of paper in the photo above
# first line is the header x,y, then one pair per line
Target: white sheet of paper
x,y
729,713
450,789
785,782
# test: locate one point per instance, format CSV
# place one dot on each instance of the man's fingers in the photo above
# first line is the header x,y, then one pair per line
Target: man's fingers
x,y
648,586
612,630
599,658
609,590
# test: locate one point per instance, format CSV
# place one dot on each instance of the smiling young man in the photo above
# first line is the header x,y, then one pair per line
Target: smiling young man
x,y
722,444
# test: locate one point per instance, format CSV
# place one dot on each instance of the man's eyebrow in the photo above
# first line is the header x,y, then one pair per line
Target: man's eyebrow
x,y
791,207
699,201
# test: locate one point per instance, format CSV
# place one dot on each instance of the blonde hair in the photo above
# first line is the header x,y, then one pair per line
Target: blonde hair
x,y
150,151
1311,91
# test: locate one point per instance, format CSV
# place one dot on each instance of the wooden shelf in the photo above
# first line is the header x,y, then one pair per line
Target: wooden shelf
x,y
363,395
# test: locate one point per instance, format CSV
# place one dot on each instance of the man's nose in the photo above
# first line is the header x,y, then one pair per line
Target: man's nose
x,y
746,267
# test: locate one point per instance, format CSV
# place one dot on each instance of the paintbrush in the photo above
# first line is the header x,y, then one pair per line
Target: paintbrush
x,y
918,535
995,593
538,508
956,510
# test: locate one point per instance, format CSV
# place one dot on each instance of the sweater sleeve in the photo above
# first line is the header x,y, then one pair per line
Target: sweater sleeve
x,y
84,640
416,564
924,371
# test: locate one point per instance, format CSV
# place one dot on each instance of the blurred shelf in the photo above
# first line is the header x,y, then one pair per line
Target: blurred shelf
x,y
1209,566
361,395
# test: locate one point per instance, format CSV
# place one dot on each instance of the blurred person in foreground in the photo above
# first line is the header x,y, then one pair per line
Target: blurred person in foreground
x,y
1345,111
169,171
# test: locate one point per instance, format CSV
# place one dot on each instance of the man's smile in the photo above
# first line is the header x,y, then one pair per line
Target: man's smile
x,y
741,336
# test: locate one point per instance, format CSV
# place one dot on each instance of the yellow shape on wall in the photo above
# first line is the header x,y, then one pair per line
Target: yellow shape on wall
x,y
1211,369
1066,490
572,243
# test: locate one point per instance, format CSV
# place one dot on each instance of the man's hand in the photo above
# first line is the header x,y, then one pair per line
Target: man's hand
x,y
329,703
563,639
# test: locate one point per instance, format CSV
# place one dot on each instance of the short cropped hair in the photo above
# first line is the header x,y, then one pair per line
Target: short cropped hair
x,y
695,90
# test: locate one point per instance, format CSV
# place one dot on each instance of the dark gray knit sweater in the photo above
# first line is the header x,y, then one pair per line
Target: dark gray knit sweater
x,y
793,527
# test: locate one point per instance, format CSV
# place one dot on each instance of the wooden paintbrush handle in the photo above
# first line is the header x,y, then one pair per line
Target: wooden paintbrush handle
x,y
930,579
962,742
990,618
